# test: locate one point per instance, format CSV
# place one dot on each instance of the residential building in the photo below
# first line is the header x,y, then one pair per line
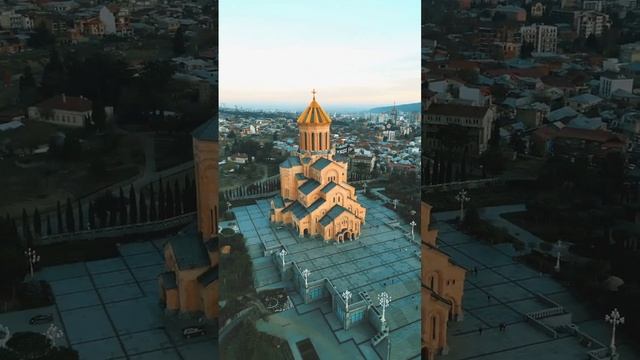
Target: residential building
x,y
63,110
592,22
477,120
543,38
537,10
513,13
610,82
595,5
116,20
10,20
630,52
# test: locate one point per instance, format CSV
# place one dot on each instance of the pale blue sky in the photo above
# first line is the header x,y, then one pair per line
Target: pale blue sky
x,y
356,53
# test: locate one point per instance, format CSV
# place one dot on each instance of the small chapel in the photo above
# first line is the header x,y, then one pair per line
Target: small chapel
x,y
315,197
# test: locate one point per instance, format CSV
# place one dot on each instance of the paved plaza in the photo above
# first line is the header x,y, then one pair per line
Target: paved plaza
x,y
503,291
383,259
109,309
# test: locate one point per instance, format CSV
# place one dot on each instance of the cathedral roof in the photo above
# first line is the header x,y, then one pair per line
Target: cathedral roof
x,y
335,211
329,187
321,163
291,162
314,114
190,252
278,202
316,204
308,186
208,276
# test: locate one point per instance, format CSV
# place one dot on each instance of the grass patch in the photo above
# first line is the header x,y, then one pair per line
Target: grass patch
x,y
482,197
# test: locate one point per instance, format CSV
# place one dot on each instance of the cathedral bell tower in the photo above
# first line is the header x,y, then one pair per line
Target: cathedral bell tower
x,y
315,129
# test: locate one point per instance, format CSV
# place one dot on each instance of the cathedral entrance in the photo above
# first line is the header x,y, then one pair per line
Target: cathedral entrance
x,y
305,232
348,236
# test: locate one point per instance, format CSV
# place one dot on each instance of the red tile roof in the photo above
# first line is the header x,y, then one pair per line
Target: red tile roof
x,y
69,103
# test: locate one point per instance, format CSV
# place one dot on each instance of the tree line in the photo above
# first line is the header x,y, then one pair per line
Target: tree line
x,y
151,203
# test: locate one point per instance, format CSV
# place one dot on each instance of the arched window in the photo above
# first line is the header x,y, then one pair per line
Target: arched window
x,y
434,323
313,141
306,141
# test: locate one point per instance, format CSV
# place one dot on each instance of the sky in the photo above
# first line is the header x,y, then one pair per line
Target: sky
x,y
357,54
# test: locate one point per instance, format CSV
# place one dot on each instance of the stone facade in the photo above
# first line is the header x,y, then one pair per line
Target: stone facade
x,y
315,197
442,290
189,284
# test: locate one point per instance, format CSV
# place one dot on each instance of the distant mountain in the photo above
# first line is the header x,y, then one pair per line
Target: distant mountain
x,y
415,107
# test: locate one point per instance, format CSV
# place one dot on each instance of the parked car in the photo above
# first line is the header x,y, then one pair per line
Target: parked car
x,y
193,331
41,319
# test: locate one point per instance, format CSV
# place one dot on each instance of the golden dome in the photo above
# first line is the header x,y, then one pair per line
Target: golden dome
x,y
314,114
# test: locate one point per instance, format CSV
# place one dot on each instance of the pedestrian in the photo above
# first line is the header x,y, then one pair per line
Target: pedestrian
x,y
488,298
480,330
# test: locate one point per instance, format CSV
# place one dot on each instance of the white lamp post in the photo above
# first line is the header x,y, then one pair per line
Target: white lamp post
x,y
347,296
413,224
558,249
462,197
305,275
614,319
32,258
228,205
282,253
53,333
384,300
395,203
365,186
5,334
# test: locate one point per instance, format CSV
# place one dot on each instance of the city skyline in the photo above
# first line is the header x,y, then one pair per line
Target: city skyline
x,y
369,57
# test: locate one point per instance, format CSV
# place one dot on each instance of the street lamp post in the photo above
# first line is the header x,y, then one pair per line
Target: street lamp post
x,y
347,296
559,249
5,334
462,197
282,253
32,258
365,186
305,275
228,205
384,299
53,333
395,203
614,319
413,224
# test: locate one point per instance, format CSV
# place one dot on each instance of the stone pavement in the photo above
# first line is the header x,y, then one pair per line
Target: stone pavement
x,y
503,291
109,309
383,259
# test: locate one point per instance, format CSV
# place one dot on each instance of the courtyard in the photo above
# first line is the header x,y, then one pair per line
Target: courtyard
x,y
502,292
109,309
384,258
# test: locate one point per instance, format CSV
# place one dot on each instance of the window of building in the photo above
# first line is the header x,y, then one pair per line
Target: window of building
x,y
340,313
315,293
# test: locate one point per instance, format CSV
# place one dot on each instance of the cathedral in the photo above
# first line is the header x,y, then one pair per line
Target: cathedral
x,y
442,290
315,197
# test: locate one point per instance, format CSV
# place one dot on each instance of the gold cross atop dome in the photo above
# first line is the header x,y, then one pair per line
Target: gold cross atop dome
x,y
314,114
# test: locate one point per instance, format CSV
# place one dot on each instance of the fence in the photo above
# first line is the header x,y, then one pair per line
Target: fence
x,y
459,185
122,230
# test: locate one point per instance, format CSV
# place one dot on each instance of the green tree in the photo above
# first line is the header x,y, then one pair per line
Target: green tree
x,y
80,216
41,36
28,87
29,345
179,46
26,229
71,226
161,202
53,76
13,269
168,212
49,228
143,208
122,208
177,199
133,206
98,115
92,216
37,222
153,210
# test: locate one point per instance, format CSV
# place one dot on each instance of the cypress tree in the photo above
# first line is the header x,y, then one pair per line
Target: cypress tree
x,y
161,202
169,205
49,230
133,206
122,208
26,229
177,199
71,227
59,215
92,216
80,216
153,214
143,208
37,222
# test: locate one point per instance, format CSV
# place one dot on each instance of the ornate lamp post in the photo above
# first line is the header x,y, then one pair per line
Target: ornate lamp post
x,y
558,249
305,275
346,295
228,205
614,319
32,258
53,333
395,203
384,299
5,334
413,224
365,186
462,197
282,253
